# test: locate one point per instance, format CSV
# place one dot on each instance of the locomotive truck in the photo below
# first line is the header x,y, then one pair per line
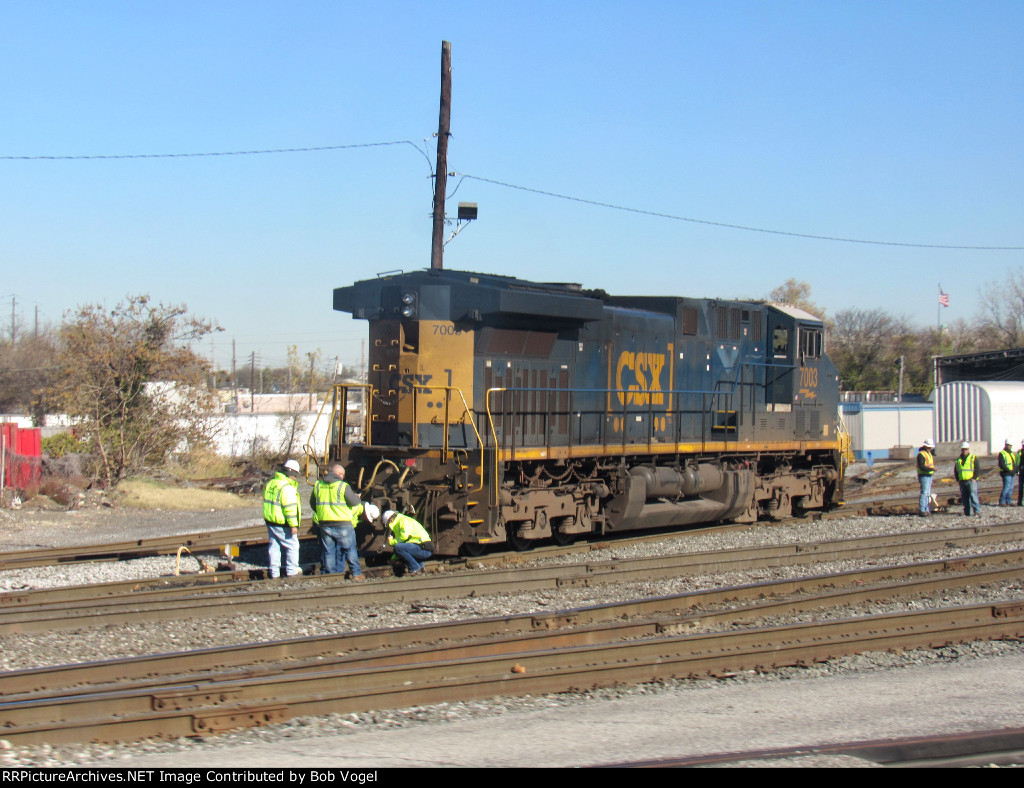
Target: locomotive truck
x,y
497,410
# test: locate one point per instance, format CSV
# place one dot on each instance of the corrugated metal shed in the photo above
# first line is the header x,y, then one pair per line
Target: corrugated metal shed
x,y
986,411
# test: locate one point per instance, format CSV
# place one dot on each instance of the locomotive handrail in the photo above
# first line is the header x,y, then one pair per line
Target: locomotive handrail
x,y
573,391
445,447
729,388
334,391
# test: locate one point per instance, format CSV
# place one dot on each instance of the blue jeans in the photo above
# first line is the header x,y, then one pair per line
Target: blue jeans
x,y
969,497
412,554
281,539
926,494
338,547
1006,496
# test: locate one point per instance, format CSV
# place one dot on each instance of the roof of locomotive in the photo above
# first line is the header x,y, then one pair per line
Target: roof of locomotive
x,y
447,294
444,294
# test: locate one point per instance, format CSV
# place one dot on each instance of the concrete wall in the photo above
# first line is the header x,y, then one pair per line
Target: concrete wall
x,y
243,435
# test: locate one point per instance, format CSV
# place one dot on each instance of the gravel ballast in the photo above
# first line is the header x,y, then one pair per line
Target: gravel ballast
x,y
279,743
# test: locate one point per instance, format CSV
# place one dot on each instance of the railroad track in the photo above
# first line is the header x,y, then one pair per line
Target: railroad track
x,y
164,599
871,501
201,693
203,542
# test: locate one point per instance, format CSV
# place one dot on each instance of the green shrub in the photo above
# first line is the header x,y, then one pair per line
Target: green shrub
x,y
64,443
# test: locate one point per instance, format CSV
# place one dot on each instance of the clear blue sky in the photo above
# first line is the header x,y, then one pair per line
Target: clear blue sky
x,y
886,121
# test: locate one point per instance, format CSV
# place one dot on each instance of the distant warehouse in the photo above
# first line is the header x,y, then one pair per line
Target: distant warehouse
x,y
979,397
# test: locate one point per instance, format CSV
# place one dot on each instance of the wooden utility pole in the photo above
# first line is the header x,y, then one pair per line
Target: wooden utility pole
x,y
441,175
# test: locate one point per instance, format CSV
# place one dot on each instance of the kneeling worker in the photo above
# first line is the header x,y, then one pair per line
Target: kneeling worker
x,y
410,540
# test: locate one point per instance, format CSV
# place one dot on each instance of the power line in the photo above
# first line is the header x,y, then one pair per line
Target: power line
x,y
738,226
596,203
213,153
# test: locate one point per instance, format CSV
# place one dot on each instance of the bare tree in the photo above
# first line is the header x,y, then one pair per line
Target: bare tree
x,y
28,366
865,346
303,382
132,381
1002,311
798,294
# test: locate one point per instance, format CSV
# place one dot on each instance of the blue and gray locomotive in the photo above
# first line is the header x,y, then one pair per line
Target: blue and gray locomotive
x,y
498,410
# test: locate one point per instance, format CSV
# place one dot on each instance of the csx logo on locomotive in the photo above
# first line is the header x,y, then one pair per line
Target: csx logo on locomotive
x,y
638,378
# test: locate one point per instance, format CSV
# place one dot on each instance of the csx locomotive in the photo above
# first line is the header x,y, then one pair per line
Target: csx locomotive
x,y
498,410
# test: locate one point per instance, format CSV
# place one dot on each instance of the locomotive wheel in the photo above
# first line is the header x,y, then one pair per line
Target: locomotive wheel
x,y
560,537
519,543
472,549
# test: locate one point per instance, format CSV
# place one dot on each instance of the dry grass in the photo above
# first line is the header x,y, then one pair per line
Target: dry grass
x,y
150,494
203,465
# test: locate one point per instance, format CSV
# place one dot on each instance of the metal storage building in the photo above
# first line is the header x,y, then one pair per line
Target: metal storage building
x,y
988,412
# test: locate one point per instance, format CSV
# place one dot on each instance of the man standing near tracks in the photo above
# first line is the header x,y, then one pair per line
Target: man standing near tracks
x,y
1020,476
966,471
925,472
1007,469
282,513
336,508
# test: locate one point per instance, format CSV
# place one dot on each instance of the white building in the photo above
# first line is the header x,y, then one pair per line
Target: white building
x,y
887,429
985,413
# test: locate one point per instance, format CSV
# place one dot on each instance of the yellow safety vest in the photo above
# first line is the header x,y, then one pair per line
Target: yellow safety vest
x,y
405,529
280,507
330,506
965,468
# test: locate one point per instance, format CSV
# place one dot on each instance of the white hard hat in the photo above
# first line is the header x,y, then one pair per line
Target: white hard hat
x,y
372,512
293,466
965,445
929,444
1008,442
388,515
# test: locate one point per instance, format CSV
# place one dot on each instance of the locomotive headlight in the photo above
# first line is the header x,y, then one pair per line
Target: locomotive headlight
x,y
408,309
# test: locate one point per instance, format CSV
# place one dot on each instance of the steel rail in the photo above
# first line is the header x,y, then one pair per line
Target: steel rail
x,y
207,541
602,623
258,700
28,612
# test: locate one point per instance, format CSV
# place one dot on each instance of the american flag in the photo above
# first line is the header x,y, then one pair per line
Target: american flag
x,y
943,298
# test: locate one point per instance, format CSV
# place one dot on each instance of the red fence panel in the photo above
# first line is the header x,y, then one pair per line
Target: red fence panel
x,y
22,455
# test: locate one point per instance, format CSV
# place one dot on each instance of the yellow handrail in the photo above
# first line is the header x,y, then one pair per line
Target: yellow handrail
x,y
445,448
335,390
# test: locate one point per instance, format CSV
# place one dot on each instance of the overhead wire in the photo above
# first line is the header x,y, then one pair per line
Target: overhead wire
x,y
734,226
532,190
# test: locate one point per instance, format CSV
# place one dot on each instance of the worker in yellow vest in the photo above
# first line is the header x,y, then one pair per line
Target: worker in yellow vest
x,y
1020,476
282,513
925,472
336,510
1008,470
409,540
966,471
